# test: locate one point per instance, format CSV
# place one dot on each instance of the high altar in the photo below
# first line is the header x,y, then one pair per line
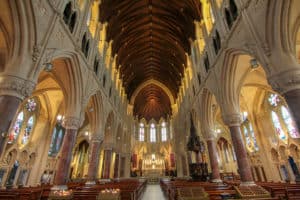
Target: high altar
x,y
153,166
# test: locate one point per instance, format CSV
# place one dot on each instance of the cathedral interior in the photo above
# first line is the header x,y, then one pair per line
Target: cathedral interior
x,y
130,93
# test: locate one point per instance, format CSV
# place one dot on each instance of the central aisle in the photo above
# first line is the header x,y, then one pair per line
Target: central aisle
x,y
153,192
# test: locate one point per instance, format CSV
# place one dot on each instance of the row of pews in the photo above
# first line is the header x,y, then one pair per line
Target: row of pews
x,y
184,189
180,189
282,190
130,189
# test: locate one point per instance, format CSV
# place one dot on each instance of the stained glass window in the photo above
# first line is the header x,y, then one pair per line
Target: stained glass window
x,y
31,105
152,133
57,138
274,99
26,114
163,132
277,126
289,122
16,128
249,135
142,132
253,137
28,130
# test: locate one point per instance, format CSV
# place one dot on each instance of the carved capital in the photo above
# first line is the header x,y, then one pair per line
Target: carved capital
x,y
234,119
16,86
98,138
71,123
285,81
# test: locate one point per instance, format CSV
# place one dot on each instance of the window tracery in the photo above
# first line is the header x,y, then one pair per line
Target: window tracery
x,y
282,120
163,132
142,133
152,133
249,135
27,114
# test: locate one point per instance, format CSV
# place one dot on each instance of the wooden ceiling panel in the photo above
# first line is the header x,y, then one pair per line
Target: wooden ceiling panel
x,y
151,39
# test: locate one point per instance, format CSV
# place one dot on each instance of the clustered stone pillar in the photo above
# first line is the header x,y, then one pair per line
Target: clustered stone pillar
x,y
116,167
213,155
71,125
106,163
12,91
233,122
94,161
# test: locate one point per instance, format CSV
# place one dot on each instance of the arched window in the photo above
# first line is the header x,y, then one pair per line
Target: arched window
x,y
282,120
142,132
57,137
28,130
27,114
253,137
163,132
249,134
69,17
277,126
152,133
289,122
67,12
73,22
88,19
16,128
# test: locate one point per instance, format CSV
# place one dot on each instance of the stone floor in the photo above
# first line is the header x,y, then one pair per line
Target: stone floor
x,y
153,192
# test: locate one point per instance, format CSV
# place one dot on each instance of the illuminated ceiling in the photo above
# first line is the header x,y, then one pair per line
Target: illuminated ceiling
x,y
151,39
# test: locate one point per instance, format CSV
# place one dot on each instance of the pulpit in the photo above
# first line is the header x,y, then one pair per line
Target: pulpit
x,y
198,171
198,168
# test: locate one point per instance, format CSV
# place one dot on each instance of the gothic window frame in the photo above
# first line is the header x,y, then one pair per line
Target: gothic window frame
x,y
30,108
163,132
141,132
275,103
249,136
58,129
152,132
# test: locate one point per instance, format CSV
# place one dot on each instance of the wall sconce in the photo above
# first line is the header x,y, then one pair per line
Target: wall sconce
x,y
254,64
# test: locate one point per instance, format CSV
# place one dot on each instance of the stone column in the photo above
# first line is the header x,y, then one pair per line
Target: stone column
x,y
287,84
12,91
233,121
116,167
71,125
106,163
94,161
213,158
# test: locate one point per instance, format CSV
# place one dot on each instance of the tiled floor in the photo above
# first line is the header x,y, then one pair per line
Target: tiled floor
x,y
153,192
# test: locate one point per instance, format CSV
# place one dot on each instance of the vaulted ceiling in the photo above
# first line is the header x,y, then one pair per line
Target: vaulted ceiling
x,y
151,39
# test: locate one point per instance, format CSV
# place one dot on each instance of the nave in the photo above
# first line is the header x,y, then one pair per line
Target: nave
x,y
103,97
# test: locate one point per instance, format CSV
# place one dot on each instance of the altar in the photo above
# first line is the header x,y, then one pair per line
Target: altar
x,y
153,168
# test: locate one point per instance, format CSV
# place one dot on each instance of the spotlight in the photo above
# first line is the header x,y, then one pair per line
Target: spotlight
x,y
48,67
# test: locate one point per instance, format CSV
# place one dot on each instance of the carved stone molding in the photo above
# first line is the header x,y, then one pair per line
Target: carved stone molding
x,y
71,123
98,138
285,81
16,86
233,119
